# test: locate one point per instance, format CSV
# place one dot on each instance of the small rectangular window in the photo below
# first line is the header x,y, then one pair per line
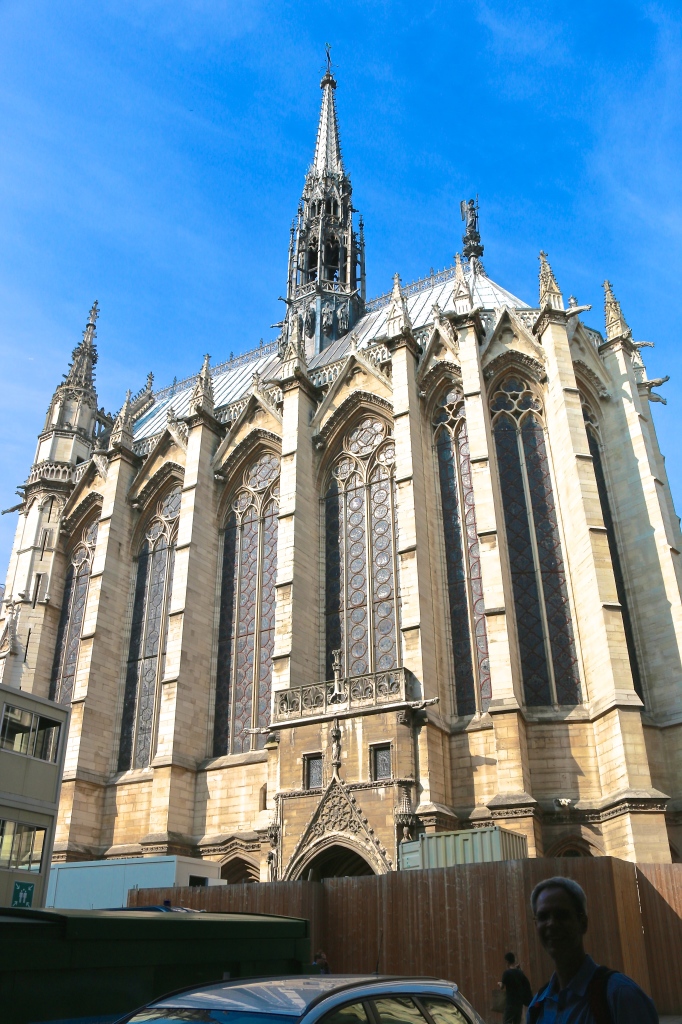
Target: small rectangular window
x,y
198,881
21,846
313,771
25,733
381,762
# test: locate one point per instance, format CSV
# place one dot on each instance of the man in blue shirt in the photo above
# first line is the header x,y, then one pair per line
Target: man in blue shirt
x,y
579,992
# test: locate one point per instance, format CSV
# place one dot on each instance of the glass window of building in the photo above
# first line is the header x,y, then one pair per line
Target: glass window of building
x,y
246,637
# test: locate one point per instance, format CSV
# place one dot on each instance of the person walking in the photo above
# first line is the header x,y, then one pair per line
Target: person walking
x,y
517,990
579,991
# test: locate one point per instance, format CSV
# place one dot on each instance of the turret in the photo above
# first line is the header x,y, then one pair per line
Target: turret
x,y
71,423
326,257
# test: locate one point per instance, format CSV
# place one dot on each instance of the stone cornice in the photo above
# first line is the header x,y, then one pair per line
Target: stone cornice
x,y
404,340
548,316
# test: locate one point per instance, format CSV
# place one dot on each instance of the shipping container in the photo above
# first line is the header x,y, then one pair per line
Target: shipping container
x,y
104,884
473,846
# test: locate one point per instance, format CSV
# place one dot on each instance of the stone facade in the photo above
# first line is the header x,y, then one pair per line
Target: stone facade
x,y
413,567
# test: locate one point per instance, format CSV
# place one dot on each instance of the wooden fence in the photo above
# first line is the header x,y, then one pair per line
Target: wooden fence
x,y
459,922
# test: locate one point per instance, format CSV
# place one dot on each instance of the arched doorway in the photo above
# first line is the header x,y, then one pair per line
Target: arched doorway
x,y
336,862
239,870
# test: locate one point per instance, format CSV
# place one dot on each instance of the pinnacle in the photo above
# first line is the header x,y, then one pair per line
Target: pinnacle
x,y
550,293
202,397
616,324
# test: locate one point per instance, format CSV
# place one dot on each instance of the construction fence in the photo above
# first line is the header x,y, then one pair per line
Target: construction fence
x,y
458,922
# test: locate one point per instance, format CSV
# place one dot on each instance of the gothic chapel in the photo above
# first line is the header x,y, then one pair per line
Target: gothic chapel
x,y
412,567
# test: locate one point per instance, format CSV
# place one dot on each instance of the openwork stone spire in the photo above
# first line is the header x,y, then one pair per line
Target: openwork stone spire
x,y
325,289
616,324
550,293
84,356
202,397
328,148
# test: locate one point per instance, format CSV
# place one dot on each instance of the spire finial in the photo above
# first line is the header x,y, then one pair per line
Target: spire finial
x,y
202,396
550,293
616,324
328,54
94,313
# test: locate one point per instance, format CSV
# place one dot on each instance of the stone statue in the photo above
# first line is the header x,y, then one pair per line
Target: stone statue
x,y
342,317
470,216
310,321
327,319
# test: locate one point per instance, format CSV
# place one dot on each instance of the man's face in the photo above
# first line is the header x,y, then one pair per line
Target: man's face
x,y
559,924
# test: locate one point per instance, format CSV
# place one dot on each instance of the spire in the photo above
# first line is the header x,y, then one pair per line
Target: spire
x,y
550,293
326,256
616,324
202,396
84,356
398,317
328,148
122,433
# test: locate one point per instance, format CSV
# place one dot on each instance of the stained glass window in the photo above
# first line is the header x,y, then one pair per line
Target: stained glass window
x,y
361,610
246,633
549,661
71,617
593,440
148,635
468,632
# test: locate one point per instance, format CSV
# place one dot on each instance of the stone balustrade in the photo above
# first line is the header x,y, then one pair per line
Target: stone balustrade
x,y
353,694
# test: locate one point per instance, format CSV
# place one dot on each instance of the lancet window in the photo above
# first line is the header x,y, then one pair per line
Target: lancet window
x,y
549,662
246,636
71,617
594,442
361,577
468,634
149,634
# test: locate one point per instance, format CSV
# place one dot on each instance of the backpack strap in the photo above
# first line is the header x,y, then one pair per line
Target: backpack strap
x,y
596,996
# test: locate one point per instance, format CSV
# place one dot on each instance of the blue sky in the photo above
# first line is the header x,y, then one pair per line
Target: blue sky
x,y
153,154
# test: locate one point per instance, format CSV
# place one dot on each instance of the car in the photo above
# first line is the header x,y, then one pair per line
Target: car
x,y
303,999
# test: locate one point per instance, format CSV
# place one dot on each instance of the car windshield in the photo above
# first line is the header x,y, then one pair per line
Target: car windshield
x,y
189,1015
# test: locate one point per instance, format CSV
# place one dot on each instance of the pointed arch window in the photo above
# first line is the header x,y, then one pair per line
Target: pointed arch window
x,y
361,591
71,617
549,661
468,634
149,635
246,636
595,445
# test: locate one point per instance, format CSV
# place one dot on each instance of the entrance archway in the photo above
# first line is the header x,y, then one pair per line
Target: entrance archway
x,y
237,870
336,862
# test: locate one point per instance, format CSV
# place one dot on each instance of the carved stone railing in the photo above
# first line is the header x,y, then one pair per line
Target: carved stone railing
x,y
61,472
145,446
353,694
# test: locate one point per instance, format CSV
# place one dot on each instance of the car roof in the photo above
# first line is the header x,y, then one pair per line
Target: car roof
x,y
292,996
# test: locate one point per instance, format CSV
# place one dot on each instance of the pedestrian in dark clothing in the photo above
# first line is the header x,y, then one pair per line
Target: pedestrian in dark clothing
x,y
516,989
579,992
322,962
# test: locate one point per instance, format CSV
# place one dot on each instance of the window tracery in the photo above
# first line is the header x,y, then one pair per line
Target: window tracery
x,y
462,556
594,442
549,661
71,617
361,607
149,634
246,635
